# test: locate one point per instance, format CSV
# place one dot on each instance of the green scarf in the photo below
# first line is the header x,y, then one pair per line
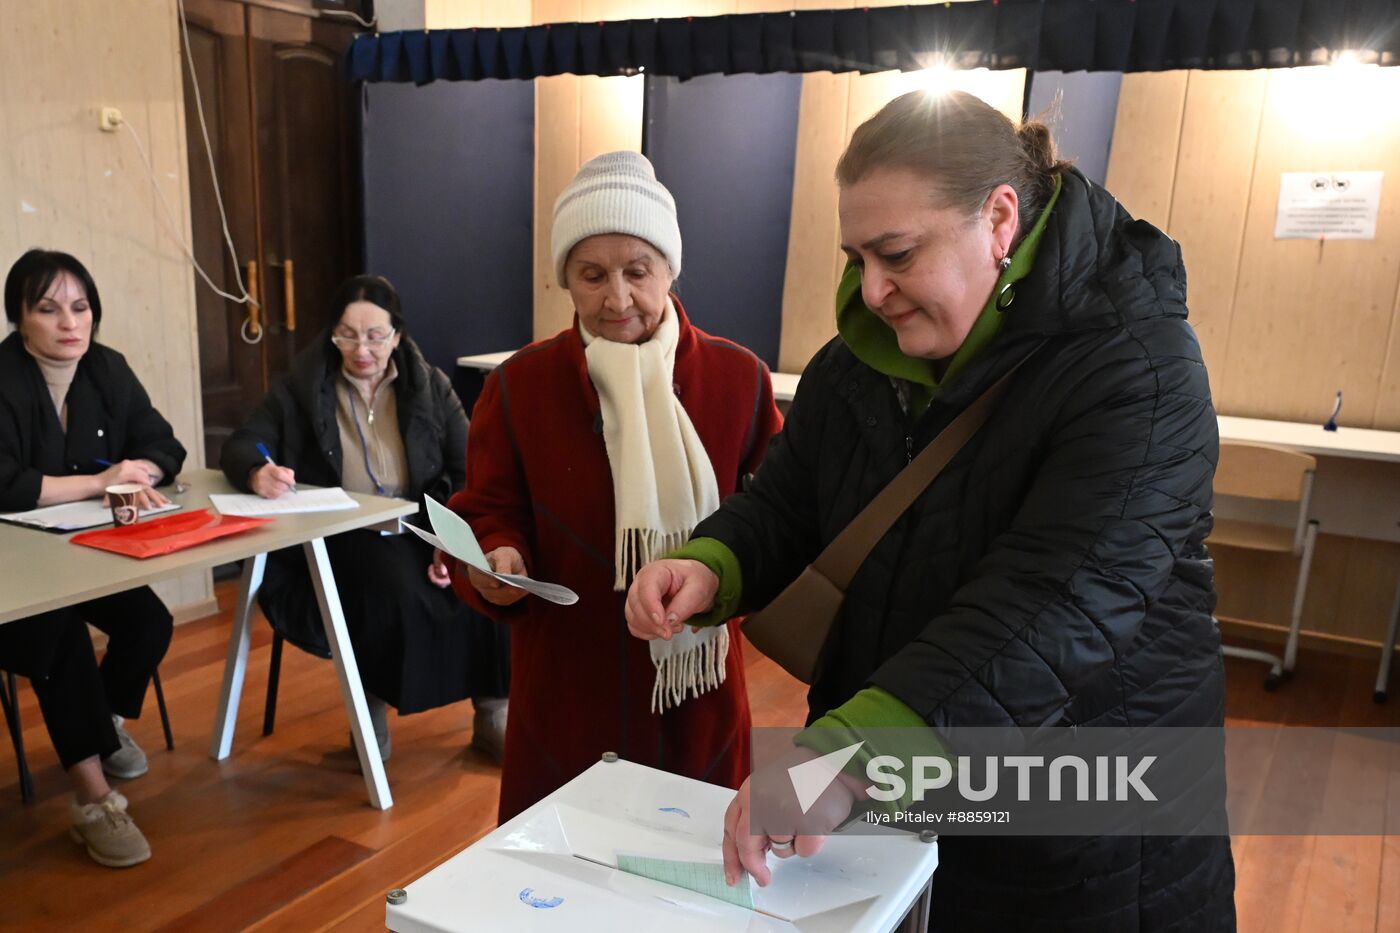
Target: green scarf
x,y
875,344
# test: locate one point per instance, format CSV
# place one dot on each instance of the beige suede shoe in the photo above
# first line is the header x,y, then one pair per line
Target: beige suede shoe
x,y
108,832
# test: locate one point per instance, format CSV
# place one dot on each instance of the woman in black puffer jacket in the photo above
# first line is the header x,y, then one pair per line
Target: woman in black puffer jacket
x,y
361,408
1055,573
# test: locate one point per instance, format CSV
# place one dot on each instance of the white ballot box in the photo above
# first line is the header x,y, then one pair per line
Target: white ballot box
x,y
554,867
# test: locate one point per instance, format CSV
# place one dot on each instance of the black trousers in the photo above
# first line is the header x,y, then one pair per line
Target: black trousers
x,y
77,697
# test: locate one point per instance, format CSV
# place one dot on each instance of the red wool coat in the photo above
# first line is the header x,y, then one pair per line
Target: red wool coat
x,y
538,480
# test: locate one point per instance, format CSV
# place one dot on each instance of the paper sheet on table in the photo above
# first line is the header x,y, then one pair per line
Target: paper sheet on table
x,y
701,877
74,516
455,536
330,499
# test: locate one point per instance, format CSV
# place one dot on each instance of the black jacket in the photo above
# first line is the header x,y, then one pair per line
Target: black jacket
x,y
296,421
110,417
1054,574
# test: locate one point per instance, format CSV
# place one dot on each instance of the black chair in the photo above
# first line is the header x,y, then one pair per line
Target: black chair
x,y
9,699
274,670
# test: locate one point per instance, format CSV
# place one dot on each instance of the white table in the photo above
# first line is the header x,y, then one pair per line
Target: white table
x,y
41,571
558,850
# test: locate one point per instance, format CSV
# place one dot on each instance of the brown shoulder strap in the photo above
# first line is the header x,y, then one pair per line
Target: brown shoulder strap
x,y
840,560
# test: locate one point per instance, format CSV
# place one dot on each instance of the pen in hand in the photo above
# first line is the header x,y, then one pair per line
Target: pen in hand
x,y
262,449
107,463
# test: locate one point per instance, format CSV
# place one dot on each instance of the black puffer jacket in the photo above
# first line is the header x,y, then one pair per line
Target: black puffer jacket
x,y
296,421
1054,574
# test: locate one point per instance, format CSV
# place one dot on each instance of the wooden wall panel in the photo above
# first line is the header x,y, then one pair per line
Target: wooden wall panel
x,y
1142,163
1312,317
1387,414
1350,591
66,185
1215,165
814,237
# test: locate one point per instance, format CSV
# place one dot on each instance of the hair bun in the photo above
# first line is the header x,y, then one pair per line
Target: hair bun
x,y
1039,147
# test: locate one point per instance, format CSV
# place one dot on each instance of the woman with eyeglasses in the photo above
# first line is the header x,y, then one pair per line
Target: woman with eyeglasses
x,y
361,408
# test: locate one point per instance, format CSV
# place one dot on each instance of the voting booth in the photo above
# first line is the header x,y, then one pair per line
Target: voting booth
x,y
556,867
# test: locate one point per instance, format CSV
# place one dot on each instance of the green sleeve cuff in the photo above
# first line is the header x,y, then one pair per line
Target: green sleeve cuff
x,y
872,717
717,556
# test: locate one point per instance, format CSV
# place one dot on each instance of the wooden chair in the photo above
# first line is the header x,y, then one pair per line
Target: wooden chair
x,y
9,701
1277,474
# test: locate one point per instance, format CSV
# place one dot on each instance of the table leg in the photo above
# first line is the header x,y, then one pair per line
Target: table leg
x,y
1388,649
332,616
236,664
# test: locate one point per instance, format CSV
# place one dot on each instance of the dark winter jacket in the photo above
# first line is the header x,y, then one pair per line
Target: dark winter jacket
x,y
296,422
110,417
1054,574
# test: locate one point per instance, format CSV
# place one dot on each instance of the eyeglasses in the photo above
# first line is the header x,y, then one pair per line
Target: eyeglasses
x,y
374,340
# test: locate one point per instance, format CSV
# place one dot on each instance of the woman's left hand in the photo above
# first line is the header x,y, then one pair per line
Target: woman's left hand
x,y
784,829
437,571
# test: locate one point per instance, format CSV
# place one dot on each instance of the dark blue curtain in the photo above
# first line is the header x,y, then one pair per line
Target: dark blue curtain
x,y
449,211
735,135
1048,35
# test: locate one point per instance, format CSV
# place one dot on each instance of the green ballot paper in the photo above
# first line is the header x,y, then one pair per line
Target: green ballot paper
x,y
701,877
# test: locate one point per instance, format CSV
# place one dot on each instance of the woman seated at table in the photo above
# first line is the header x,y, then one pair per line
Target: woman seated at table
x,y
363,409
74,420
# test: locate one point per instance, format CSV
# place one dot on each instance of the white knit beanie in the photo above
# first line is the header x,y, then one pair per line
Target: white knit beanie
x,y
617,192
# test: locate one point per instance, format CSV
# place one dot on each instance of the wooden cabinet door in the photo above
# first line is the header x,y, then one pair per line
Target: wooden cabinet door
x,y
285,139
232,369
307,164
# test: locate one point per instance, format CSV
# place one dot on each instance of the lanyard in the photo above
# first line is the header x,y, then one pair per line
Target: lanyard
x,y
364,444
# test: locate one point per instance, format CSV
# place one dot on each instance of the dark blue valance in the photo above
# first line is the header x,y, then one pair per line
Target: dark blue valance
x,y
1045,35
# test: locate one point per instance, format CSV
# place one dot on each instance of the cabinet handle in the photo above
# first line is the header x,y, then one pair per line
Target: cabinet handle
x,y
251,330
289,284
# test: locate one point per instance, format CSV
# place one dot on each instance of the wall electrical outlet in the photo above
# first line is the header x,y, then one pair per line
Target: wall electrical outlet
x,y
110,119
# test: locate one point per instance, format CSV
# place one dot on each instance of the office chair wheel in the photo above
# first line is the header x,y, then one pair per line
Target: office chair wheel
x,y
1272,681
1379,696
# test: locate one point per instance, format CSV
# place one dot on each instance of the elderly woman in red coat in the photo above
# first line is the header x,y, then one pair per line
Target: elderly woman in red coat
x,y
591,453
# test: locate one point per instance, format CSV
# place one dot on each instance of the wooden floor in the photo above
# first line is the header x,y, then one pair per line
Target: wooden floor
x,y
280,835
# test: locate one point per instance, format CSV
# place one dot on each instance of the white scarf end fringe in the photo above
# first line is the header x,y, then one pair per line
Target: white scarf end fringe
x,y
637,547
697,670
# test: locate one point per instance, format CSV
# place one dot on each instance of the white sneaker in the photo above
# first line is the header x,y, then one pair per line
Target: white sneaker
x,y
108,832
128,761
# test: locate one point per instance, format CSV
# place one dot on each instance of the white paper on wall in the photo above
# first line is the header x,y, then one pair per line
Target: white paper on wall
x,y
1328,206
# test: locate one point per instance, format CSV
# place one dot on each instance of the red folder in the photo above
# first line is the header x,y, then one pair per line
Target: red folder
x,y
168,534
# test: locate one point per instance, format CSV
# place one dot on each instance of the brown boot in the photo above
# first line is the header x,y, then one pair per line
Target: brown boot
x,y
489,726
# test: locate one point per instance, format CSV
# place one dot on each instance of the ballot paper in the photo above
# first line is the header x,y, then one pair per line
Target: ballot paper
x,y
74,516
455,537
701,877
330,499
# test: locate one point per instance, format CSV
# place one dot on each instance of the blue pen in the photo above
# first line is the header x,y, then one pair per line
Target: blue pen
x,y
262,449
106,463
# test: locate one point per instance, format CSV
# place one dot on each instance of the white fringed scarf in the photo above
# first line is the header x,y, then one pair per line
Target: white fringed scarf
x,y
663,485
